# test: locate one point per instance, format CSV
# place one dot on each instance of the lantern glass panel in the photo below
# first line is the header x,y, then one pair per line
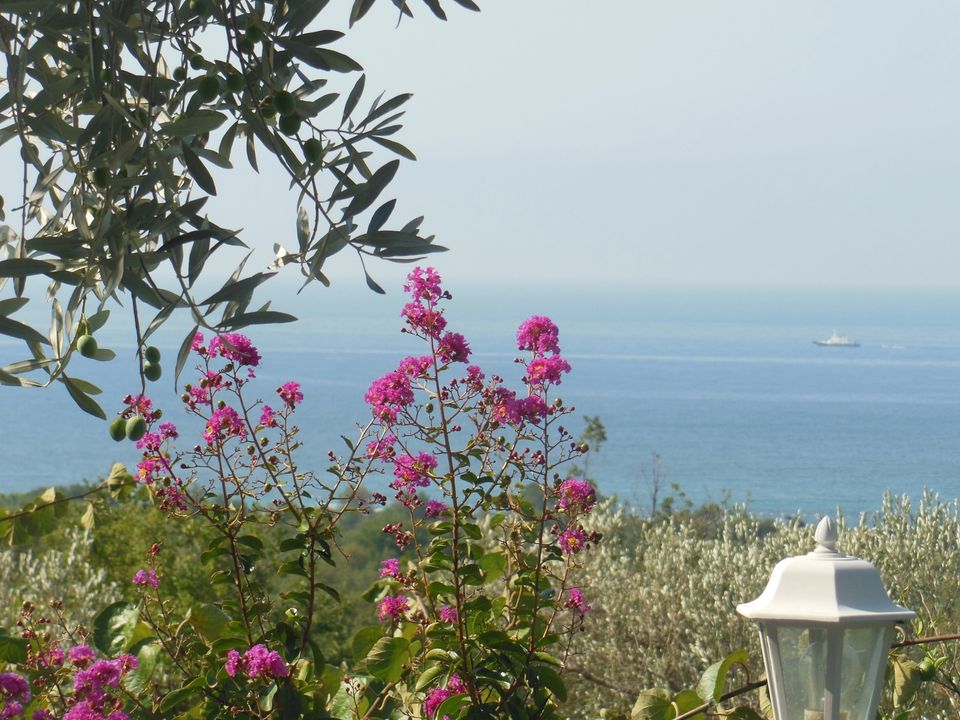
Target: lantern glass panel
x,y
803,664
864,659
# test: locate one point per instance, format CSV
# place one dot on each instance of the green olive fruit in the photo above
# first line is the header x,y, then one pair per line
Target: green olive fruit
x,y
151,371
235,82
244,44
136,427
289,124
101,177
118,429
180,74
209,88
313,150
927,669
197,62
151,354
254,33
87,345
200,7
285,102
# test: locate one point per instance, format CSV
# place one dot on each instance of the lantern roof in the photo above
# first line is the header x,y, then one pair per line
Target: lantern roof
x,y
825,586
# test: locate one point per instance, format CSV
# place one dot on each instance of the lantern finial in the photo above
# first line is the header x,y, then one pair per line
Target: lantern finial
x,y
826,535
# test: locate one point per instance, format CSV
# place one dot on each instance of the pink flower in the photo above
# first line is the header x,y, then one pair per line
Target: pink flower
x,y
415,367
143,578
393,607
290,393
150,469
448,614
139,404
531,408
475,378
576,601
224,423
538,334
413,471
14,687
52,658
424,283
504,405
435,508
390,568
81,655
268,418
197,344
168,431
424,320
453,347
388,395
572,541
434,700
576,495
257,663
382,448
546,370
236,347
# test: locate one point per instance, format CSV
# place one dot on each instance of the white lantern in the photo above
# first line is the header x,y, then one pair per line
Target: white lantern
x,y
826,625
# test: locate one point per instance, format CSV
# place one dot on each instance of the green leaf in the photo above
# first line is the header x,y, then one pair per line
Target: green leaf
x,y
714,679
115,627
239,289
364,639
147,652
653,705
12,328
260,317
198,171
12,649
353,98
387,658
209,621
83,401
381,215
359,9
394,147
428,676
547,677
196,123
21,267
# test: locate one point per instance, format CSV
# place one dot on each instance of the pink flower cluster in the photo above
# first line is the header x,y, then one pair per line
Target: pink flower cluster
x,y
290,394
91,684
257,663
14,694
539,335
572,541
577,601
232,346
576,496
436,696
142,578
382,448
389,395
412,472
390,568
435,508
448,614
224,423
393,607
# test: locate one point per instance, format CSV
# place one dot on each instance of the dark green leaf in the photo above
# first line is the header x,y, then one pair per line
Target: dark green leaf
x,y
370,190
394,147
387,658
260,317
238,289
83,401
360,8
114,627
194,123
353,98
21,267
12,328
714,678
198,171
381,215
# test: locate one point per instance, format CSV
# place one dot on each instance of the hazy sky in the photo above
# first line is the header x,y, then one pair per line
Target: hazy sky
x,y
680,141
638,143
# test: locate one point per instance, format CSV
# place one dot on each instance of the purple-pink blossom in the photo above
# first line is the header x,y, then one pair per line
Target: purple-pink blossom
x,y
290,393
268,418
576,496
382,448
531,408
393,607
14,688
539,335
427,321
546,370
424,284
453,347
448,614
415,367
577,601
388,395
435,697
236,347
390,568
411,471
257,663
143,578
435,508
224,423
572,541
81,655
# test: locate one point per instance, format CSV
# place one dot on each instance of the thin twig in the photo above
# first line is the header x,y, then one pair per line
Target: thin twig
x,y
750,687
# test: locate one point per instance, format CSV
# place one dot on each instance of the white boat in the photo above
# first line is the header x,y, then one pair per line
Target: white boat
x,y
837,341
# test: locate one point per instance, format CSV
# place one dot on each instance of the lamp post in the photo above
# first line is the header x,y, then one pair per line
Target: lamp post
x,y
826,625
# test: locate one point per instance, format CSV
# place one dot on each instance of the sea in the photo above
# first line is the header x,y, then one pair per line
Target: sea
x,y
718,394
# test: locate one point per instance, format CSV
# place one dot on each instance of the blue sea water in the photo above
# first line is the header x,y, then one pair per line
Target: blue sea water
x,y
724,384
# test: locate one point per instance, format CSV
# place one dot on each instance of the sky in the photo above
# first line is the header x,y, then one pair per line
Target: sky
x,y
688,142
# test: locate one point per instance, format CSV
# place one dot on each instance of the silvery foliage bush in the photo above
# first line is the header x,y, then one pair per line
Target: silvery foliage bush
x,y
63,573
664,596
